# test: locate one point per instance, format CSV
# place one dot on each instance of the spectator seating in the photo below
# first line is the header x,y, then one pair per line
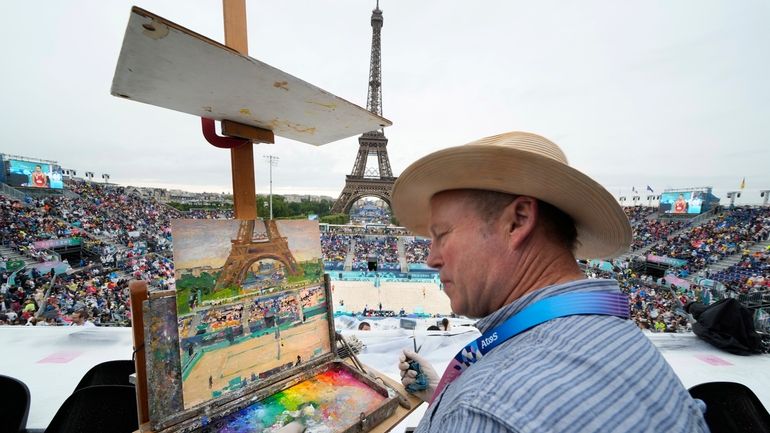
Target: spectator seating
x,y
16,401
108,373
732,407
97,409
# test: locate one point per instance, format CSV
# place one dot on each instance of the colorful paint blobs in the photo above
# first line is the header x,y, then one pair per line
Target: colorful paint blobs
x,y
329,402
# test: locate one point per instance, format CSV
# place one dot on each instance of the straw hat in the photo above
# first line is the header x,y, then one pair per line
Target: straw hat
x,y
518,163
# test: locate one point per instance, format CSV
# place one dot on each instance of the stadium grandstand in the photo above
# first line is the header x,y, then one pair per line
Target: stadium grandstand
x,y
76,248
66,257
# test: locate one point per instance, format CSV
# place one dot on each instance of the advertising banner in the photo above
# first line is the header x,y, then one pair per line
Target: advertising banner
x,y
663,260
56,243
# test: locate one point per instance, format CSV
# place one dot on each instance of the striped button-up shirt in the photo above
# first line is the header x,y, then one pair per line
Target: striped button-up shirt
x,y
571,374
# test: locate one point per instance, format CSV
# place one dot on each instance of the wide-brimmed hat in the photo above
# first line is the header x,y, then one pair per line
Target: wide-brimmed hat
x,y
518,163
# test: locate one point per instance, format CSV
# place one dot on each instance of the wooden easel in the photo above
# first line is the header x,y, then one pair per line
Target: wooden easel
x,y
327,118
244,193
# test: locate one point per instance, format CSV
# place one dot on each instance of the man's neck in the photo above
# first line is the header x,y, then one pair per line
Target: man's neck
x,y
540,268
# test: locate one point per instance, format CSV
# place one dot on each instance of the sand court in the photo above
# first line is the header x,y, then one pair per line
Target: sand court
x,y
393,296
233,361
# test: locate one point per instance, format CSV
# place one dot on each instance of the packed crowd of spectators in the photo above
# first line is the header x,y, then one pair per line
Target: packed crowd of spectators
x,y
367,230
335,247
270,309
417,250
731,232
638,214
45,299
217,318
651,231
123,236
24,225
385,249
131,238
750,275
210,214
112,212
654,306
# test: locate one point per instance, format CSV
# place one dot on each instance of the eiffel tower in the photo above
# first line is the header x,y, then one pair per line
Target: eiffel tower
x,y
374,181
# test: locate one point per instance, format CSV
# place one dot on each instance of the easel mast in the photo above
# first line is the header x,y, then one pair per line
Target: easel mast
x,y
241,157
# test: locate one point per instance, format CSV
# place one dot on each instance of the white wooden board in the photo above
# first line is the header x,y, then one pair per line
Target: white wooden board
x,y
166,65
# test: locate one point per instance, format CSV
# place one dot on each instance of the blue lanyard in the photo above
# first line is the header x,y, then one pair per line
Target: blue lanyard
x,y
570,304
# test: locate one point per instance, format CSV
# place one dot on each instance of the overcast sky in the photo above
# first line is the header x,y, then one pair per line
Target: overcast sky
x,y
667,93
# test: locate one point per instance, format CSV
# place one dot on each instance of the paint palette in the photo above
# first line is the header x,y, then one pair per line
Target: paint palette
x,y
334,400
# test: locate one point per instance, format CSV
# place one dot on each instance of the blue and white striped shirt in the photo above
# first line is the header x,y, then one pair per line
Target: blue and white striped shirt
x,y
571,374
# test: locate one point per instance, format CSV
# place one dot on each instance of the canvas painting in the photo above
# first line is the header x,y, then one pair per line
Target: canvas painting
x,y
250,302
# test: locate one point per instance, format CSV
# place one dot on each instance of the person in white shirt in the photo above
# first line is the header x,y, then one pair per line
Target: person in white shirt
x,y
80,318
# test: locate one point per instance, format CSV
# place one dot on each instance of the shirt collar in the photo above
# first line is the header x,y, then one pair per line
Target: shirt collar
x,y
580,286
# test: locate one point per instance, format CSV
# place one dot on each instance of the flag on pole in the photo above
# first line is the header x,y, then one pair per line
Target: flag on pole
x,y
743,183
649,189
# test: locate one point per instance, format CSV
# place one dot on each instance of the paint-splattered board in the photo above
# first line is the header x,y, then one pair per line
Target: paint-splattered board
x,y
169,66
164,375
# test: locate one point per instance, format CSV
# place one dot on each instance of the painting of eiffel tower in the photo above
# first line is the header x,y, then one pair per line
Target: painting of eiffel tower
x,y
247,250
250,302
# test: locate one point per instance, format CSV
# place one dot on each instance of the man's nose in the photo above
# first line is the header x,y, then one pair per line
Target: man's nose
x,y
434,259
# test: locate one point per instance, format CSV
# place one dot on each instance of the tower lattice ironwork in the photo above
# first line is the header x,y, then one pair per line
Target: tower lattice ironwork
x,y
370,180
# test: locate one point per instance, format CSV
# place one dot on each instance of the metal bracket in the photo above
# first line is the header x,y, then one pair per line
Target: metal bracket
x,y
210,133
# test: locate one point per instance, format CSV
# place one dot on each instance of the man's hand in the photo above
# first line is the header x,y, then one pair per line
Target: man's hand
x,y
410,379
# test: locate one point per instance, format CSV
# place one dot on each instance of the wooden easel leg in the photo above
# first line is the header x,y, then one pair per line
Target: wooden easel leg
x,y
244,193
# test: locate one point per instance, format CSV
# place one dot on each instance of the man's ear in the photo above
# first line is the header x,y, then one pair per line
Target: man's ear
x,y
520,218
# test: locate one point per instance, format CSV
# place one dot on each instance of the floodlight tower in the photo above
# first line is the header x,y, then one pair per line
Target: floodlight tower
x,y
272,161
732,195
90,175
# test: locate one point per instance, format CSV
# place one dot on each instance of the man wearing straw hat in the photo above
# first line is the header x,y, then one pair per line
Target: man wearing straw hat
x,y
508,217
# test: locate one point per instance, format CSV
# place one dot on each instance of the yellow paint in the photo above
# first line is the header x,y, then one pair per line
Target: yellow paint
x,y
245,111
302,129
282,85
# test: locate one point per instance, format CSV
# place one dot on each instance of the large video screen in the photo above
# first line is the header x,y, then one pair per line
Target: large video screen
x,y
34,174
684,202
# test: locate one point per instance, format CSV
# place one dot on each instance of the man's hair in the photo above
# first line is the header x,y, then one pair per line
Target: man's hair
x,y
362,324
559,226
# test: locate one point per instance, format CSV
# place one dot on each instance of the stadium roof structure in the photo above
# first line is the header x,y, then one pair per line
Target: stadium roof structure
x,y
164,64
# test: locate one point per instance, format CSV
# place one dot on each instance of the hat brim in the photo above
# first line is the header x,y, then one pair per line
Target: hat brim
x,y
602,226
